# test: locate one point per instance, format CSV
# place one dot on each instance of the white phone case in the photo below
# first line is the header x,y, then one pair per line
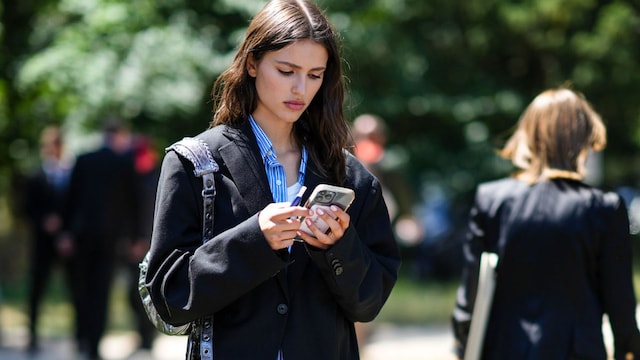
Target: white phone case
x,y
322,197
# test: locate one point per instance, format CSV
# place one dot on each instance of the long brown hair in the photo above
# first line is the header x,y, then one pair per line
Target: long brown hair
x,y
321,128
554,135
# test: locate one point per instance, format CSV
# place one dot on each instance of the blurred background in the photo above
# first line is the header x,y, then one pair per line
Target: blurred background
x,y
447,79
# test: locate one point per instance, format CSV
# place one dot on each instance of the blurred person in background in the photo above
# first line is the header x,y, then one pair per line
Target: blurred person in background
x,y
146,161
370,138
565,254
102,214
45,198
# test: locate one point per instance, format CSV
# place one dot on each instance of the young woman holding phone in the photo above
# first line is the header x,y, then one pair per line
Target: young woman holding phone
x,y
278,125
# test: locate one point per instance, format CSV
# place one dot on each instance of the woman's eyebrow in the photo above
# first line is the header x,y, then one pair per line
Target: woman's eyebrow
x,y
319,68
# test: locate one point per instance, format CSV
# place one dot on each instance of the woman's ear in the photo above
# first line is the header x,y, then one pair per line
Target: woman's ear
x,y
252,65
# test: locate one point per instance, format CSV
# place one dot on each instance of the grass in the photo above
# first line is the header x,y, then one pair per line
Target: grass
x,y
415,302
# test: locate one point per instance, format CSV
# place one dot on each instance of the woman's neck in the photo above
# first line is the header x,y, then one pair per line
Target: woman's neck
x,y
280,134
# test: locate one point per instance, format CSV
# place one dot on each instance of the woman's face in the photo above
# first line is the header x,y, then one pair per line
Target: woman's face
x,y
287,80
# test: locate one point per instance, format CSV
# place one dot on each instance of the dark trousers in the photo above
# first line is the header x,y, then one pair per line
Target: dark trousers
x,y
93,271
43,260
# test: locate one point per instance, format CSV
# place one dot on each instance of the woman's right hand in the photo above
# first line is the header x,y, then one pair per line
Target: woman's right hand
x,y
279,223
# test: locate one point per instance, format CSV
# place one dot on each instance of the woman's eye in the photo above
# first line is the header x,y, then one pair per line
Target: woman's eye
x,y
315,76
284,72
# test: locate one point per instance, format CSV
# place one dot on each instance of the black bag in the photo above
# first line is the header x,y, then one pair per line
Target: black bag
x,y
200,331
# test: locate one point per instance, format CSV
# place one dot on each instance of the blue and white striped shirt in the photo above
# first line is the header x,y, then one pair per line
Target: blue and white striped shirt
x,y
275,171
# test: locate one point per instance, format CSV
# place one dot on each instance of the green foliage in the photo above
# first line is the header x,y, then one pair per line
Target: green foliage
x,y
419,303
129,58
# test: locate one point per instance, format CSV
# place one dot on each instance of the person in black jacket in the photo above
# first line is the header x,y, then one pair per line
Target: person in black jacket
x,y
101,215
564,246
44,204
275,292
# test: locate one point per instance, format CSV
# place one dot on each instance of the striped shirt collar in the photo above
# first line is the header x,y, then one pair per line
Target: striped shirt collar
x,y
268,153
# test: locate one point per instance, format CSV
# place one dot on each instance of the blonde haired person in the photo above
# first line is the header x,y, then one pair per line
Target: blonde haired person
x,y
564,246
554,137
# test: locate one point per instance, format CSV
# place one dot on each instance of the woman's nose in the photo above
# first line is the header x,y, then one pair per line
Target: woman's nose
x,y
299,85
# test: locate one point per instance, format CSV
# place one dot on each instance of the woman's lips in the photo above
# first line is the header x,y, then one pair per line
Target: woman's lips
x,y
294,105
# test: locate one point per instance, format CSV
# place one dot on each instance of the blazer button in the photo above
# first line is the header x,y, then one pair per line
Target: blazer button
x,y
282,309
338,270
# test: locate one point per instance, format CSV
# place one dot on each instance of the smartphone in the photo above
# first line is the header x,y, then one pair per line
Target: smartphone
x,y
322,197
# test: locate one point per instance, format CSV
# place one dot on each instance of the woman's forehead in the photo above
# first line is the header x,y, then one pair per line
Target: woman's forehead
x,y
305,54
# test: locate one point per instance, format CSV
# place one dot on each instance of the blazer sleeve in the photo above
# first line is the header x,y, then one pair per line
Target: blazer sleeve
x,y
492,201
188,279
616,281
361,269
466,294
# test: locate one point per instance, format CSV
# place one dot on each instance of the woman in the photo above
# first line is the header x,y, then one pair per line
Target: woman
x,y
564,246
278,125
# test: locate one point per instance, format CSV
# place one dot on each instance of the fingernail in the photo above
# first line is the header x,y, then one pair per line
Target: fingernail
x,y
320,212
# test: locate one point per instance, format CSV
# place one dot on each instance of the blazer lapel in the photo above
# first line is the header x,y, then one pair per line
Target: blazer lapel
x,y
242,157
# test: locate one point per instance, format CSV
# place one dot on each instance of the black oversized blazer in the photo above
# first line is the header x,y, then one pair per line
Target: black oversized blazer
x,y
565,260
304,303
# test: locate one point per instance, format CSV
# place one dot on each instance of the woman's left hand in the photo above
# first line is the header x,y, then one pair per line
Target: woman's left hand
x,y
337,220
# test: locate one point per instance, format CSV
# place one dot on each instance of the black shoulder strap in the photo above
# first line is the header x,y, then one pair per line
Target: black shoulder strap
x,y
204,166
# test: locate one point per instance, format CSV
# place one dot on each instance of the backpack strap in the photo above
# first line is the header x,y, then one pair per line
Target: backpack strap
x,y
197,151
